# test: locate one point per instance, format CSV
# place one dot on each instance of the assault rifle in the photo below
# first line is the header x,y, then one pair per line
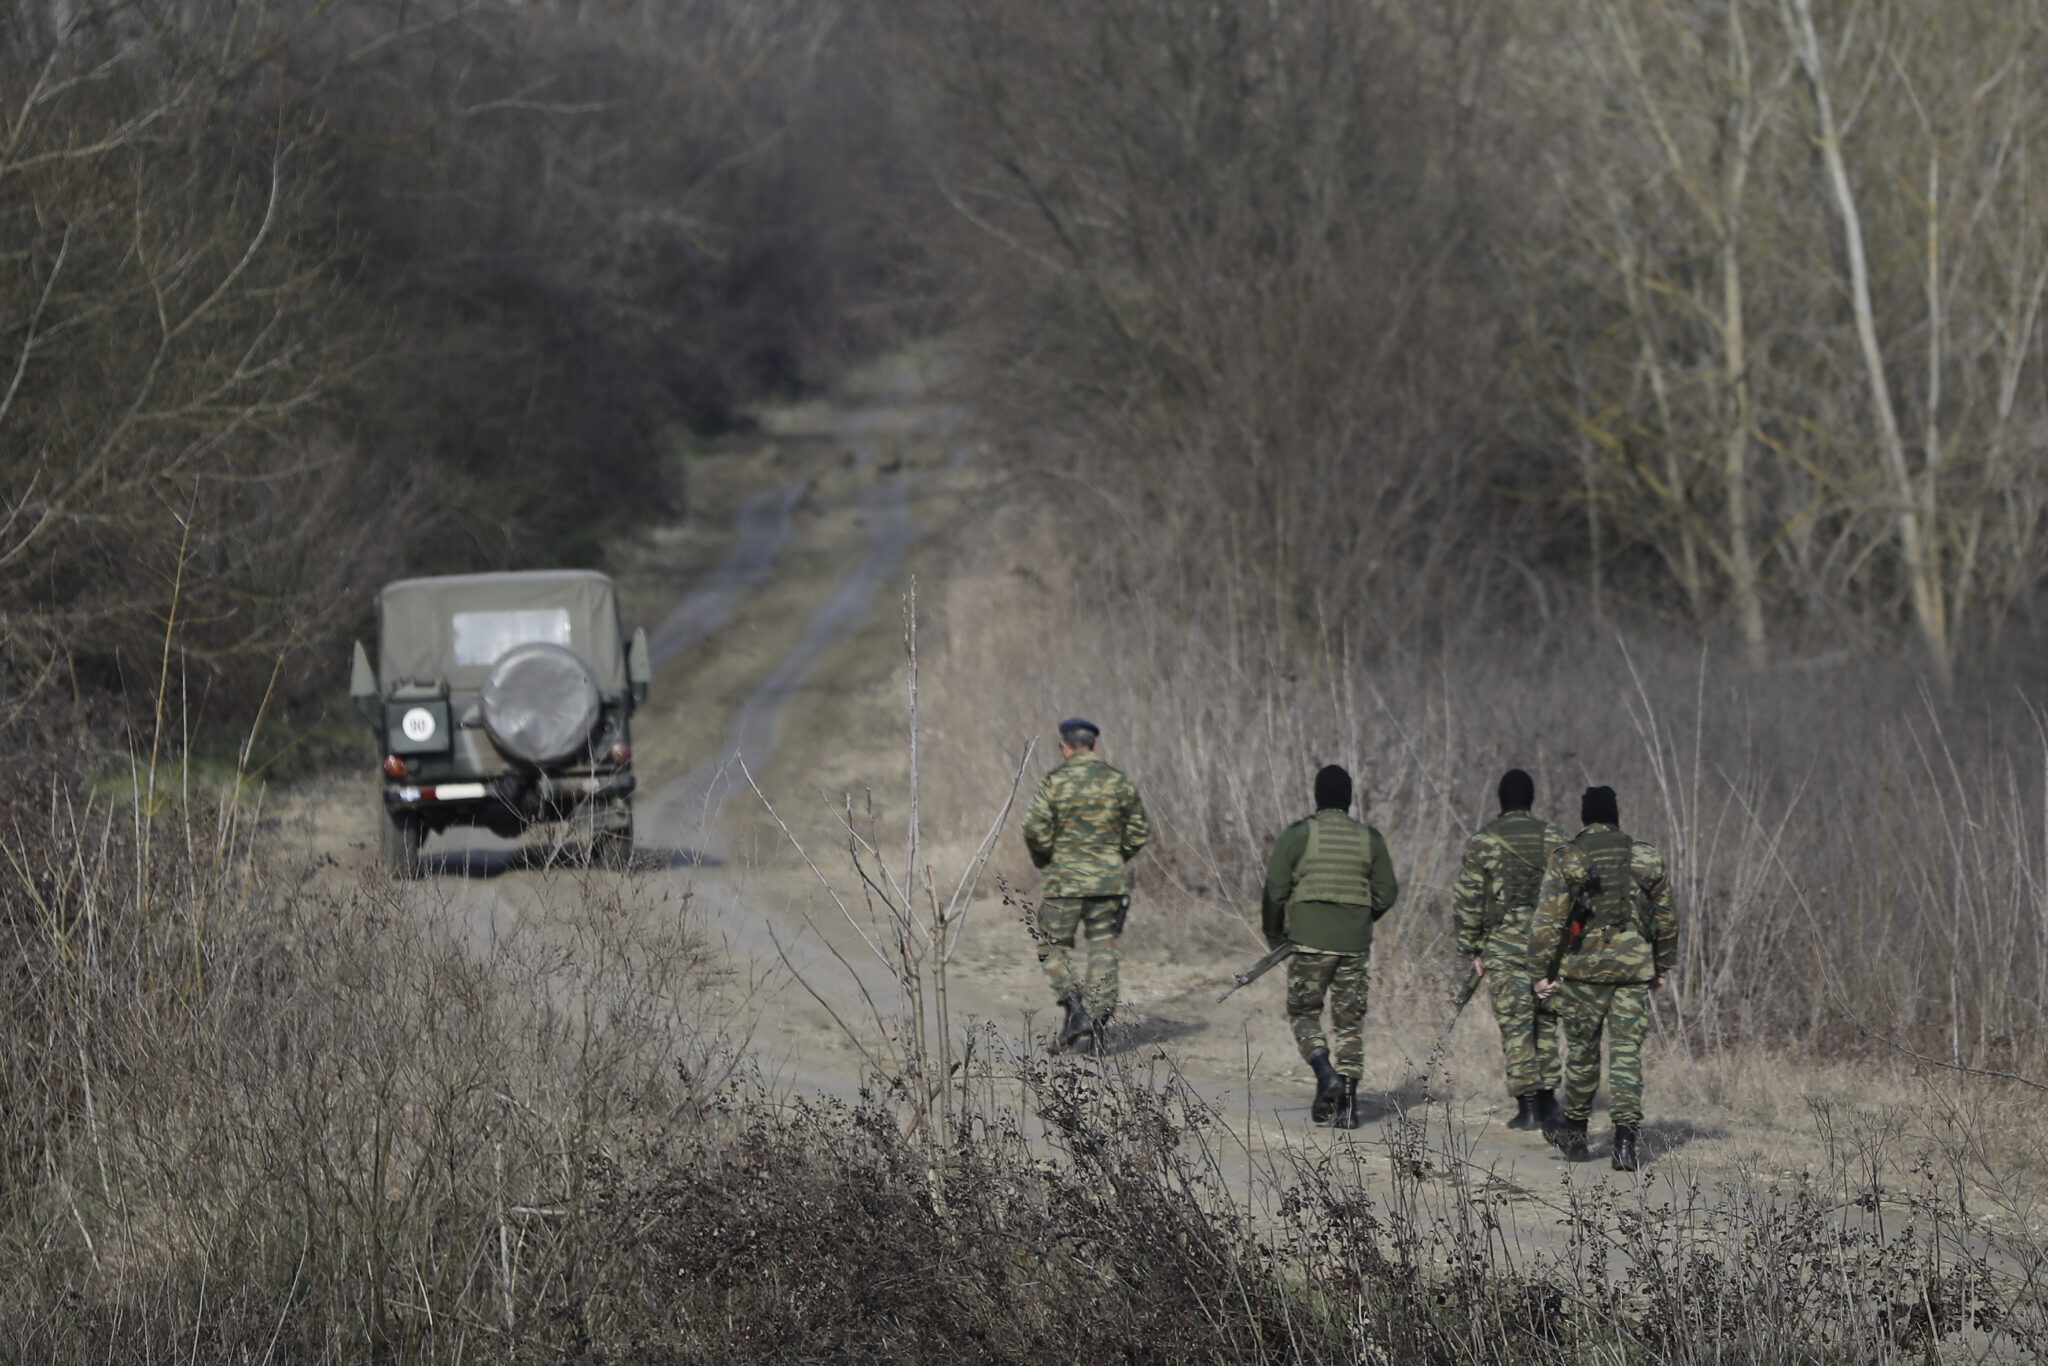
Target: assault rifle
x,y
1581,920
1463,995
1257,970
1459,999
1582,909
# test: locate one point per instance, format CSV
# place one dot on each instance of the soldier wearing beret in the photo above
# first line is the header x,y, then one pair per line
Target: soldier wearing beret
x,y
1085,824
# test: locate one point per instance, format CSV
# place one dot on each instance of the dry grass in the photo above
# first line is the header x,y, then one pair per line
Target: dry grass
x,y
250,1117
1858,862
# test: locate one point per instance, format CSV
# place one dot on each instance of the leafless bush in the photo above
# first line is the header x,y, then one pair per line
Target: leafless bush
x,y
247,1114
302,296
1221,267
1100,1209
172,335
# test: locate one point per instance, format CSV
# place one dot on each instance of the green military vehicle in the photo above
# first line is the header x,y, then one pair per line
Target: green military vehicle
x,y
503,701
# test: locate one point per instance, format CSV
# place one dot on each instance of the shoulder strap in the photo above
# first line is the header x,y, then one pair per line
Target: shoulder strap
x,y
1514,839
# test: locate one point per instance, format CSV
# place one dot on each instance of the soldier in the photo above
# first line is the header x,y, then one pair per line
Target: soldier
x,y
1492,901
1615,890
1085,824
1327,883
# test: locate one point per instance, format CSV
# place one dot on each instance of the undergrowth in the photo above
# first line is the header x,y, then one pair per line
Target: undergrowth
x,y
252,1114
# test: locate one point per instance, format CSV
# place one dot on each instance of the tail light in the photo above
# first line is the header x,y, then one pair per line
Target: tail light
x,y
394,767
622,753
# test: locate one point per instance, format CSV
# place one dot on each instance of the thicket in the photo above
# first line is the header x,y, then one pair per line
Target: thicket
x,y
300,297
1378,315
1727,311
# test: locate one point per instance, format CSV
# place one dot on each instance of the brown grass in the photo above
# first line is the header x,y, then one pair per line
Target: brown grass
x,y
1858,863
251,1115
245,1113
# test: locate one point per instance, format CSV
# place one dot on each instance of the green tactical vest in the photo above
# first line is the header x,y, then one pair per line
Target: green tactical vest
x,y
1336,865
1521,873
1612,852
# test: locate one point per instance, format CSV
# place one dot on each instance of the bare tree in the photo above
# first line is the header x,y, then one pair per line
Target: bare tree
x,y
1705,298
169,334
1220,255
1981,262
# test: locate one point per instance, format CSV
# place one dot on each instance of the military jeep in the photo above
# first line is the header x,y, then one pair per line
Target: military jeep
x,y
503,701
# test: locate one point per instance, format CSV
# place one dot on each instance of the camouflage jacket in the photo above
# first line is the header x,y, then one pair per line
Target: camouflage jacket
x,y
1085,823
1635,951
1497,887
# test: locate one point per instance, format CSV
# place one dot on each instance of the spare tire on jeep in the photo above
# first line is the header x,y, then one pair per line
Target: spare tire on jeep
x,y
540,704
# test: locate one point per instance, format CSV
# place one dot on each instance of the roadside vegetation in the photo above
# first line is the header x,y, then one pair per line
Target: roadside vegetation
x,y
254,1116
301,297
1649,394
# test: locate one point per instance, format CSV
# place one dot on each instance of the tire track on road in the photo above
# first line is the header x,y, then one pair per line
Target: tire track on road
x,y
689,805
685,814
762,528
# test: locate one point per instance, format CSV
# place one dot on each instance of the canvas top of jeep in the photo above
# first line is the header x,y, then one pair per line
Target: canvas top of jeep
x,y
501,699
453,628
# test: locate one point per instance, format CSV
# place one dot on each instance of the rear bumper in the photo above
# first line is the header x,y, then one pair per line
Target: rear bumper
x,y
522,795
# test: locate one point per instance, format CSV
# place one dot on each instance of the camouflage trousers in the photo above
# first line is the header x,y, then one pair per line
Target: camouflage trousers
x,y
1528,1027
1101,920
1623,1008
1341,978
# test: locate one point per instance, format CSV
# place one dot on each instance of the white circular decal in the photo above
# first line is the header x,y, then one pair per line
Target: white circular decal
x,y
418,725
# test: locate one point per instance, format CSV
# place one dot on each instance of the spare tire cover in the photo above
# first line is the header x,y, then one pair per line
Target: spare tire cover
x,y
540,703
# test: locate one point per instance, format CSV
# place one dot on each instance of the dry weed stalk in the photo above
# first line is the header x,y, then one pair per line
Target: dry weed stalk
x,y
314,1121
906,929
1840,834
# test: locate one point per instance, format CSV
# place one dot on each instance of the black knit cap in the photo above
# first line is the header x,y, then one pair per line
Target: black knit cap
x,y
1333,789
1076,730
1517,791
1598,807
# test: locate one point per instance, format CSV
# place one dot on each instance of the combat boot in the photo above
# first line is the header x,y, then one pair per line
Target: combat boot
x,y
1549,1110
1077,1026
1626,1137
1568,1136
1328,1086
1526,1113
1098,1031
1345,1114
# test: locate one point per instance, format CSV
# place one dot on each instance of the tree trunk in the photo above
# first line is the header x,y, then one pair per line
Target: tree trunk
x,y
1913,521
1744,592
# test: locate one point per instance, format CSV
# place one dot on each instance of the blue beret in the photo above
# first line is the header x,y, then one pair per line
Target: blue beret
x,y
1076,723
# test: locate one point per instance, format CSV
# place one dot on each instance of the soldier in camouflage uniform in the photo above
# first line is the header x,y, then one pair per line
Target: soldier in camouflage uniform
x,y
1492,902
1328,881
1085,824
1616,888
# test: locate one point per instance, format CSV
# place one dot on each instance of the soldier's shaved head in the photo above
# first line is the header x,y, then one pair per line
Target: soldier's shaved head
x,y
1517,791
1599,807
